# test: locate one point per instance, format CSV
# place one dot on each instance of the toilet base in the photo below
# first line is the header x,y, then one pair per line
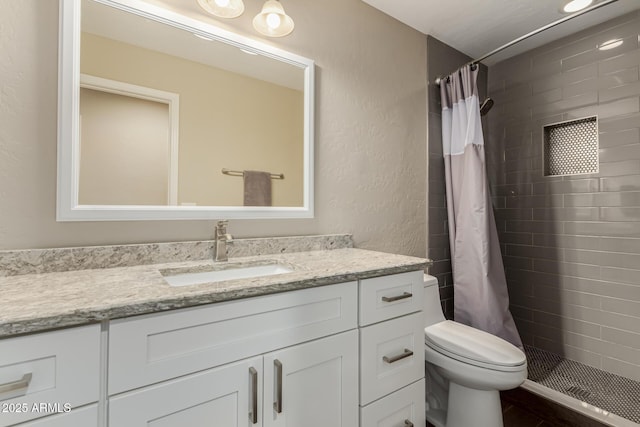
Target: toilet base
x,y
471,407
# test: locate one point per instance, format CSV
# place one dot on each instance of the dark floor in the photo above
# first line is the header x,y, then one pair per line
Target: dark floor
x,y
521,408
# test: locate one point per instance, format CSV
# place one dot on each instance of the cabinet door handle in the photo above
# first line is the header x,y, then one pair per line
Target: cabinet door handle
x,y
253,415
277,405
408,423
394,359
14,386
397,297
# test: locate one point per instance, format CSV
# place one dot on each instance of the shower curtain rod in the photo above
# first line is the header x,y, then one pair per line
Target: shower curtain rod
x,y
534,32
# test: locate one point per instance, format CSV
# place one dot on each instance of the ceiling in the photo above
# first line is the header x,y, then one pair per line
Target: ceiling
x,y
477,27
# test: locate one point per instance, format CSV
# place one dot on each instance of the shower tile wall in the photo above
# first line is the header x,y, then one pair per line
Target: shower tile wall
x,y
571,244
441,61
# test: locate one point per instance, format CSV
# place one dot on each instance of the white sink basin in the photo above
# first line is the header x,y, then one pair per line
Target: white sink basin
x,y
186,279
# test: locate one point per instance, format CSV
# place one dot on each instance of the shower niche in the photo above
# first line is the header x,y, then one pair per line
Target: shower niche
x,y
571,147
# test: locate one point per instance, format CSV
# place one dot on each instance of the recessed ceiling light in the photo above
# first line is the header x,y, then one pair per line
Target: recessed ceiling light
x,y
576,5
610,44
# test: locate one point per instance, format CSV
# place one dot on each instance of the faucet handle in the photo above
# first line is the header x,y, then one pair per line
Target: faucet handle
x,y
221,226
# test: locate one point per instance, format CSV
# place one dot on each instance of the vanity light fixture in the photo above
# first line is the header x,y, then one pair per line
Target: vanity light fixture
x,y
223,8
610,44
273,21
576,5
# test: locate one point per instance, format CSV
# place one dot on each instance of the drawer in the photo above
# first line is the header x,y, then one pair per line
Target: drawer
x,y
86,416
152,348
404,408
391,356
386,297
54,368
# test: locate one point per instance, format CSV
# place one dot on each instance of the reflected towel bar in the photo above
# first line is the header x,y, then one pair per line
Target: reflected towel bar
x,y
240,173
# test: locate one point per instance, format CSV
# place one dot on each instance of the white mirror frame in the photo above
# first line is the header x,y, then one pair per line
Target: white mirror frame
x,y
68,208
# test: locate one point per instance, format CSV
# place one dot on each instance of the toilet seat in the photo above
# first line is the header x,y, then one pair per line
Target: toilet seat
x,y
473,346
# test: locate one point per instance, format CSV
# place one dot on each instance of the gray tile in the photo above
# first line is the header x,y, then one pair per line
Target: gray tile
x,y
618,78
617,63
535,252
517,262
615,229
621,183
567,268
618,92
624,307
548,83
630,44
605,110
516,226
587,72
623,322
619,123
566,214
546,200
620,214
582,299
619,138
621,168
628,370
564,241
629,198
616,154
627,245
516,238
505,214
622,275
574,185
579,88
564,105
620,336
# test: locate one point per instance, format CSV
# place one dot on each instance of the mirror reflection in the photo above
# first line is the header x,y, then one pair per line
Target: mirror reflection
x,y
169,117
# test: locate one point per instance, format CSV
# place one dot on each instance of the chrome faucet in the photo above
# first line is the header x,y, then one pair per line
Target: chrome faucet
x,y
221,240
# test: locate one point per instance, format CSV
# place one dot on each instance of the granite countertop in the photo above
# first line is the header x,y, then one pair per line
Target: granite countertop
x,y
41,301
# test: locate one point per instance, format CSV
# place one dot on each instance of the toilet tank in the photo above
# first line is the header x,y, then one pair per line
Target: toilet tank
x,y
432,307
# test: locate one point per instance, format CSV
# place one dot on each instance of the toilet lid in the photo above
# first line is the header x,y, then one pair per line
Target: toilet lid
x,y
472,344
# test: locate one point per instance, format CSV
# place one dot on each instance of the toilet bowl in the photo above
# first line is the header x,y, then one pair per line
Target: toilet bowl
x,y
466,368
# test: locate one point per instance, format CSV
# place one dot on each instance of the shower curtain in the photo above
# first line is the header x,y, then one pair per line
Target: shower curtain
x,y
480,287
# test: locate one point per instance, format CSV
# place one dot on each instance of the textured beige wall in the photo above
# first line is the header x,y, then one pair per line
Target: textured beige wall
x,y
370,132
226,121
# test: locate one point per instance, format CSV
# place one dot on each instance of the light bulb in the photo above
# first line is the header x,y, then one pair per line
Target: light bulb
x,y
222,3
273,20
576,5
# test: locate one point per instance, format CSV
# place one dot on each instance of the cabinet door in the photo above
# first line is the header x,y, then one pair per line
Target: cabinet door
x,y
82,417
313,384
221,397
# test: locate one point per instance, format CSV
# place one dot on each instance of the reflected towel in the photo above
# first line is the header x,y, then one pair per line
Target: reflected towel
x,y
257,188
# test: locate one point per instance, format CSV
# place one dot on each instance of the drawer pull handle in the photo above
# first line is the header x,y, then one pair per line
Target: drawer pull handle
x,y
397,297
14,386
253,415
394,359
408,423
277,405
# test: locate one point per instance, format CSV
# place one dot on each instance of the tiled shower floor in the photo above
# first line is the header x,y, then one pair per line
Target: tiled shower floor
x,y
607,391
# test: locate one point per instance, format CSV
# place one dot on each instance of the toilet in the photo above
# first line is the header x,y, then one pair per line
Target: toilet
x,y
466,368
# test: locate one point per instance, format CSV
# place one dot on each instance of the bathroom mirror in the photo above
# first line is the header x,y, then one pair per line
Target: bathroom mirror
x,y
163,116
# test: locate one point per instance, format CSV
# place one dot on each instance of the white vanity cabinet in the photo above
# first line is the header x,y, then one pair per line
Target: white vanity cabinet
x,y
50,376
343,355
286,359
392,387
